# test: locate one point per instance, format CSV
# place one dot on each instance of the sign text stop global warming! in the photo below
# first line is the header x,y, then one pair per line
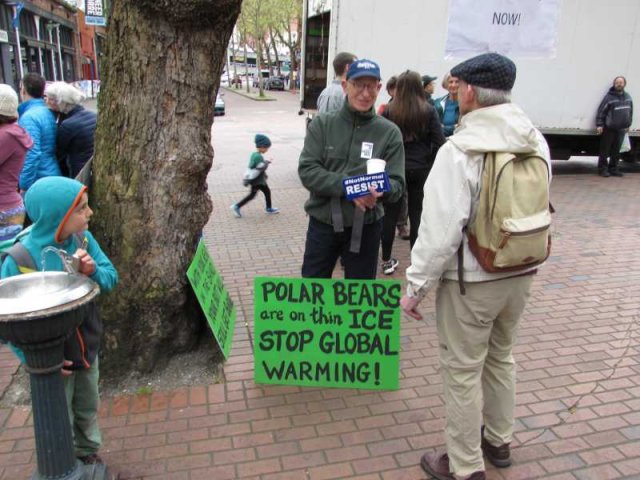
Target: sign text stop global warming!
x,y
331,333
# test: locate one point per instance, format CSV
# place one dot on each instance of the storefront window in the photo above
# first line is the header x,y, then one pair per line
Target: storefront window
x,y
69,73
32,60
12,60
46,64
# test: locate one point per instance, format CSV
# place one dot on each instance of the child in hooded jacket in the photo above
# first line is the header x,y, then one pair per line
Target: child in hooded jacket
x,y
60,212
258,163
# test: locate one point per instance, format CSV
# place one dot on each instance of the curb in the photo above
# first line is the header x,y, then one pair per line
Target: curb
x,y
244,94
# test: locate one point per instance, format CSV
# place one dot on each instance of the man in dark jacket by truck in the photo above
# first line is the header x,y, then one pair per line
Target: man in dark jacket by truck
x,y
338,146
613,120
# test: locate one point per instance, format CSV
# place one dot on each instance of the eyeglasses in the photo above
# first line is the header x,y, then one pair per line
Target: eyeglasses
x,y
360,87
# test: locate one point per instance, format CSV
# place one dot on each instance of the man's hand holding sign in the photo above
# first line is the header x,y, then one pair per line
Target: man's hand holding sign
x,y
364,190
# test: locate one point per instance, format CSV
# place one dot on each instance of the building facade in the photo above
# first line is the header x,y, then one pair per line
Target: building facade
x,y
47,39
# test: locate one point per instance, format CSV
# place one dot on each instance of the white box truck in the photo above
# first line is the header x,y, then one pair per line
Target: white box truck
x,y
583,44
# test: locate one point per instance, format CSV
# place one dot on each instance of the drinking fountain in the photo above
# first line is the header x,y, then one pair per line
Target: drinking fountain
x,y
38,312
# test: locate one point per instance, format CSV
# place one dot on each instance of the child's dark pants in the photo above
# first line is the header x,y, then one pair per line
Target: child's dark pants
x,y
254,191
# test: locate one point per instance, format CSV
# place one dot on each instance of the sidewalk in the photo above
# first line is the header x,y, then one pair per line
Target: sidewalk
x,y
578,346
254,93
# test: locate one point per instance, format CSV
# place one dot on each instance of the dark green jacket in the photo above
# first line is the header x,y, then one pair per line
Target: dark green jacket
x,y
333,151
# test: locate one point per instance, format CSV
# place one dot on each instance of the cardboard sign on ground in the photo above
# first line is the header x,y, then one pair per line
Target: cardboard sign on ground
x,y
213,297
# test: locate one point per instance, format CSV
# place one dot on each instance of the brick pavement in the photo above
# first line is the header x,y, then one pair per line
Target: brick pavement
x,y
578,414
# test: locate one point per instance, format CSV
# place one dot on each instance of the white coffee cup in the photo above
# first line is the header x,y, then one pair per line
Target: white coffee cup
x,y
375,165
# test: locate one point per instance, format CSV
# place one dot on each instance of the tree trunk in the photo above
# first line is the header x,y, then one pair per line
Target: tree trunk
x,y
291,45
267,52
297,45
153,153
226,61
246,66
259,67
275,51
235,61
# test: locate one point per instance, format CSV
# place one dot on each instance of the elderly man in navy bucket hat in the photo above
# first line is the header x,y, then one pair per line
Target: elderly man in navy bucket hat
x,y
476,328
337,146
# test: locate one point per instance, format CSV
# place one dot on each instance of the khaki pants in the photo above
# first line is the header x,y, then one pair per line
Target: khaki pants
x,y
476,333
83,400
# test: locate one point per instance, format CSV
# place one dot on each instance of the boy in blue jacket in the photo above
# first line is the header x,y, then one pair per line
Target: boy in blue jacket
x,y
60,212
40,124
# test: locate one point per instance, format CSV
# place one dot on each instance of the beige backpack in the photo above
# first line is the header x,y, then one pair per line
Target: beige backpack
x,y
512,227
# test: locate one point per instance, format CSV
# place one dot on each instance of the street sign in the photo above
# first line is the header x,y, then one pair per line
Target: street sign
x,y
4,36
98,21
94,13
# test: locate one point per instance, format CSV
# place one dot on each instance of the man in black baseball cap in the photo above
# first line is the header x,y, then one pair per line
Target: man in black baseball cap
x,y
428,83
476,329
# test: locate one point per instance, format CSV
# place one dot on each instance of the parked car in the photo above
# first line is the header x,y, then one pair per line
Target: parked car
x,y
274,83
219,108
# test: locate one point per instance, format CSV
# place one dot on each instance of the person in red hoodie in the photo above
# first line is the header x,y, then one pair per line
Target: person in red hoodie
x,y
14,144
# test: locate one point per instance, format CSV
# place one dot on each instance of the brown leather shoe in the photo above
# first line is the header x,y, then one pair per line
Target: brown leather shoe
x,y
437,465
499,456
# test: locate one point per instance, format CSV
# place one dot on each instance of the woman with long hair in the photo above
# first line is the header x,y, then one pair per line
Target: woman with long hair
x,y
422,136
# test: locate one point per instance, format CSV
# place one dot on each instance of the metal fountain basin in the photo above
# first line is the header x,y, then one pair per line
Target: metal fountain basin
x,y
40,306
34,292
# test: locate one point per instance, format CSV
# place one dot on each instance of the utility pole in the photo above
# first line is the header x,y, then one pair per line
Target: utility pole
x,y
16,16
57,27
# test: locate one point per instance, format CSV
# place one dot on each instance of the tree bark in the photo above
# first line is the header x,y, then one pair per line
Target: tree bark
x,y
153,154
292,46
246,65
235,62
258,51
267,52
275,51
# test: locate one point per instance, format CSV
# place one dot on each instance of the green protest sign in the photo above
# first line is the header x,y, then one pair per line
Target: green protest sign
x,y
327,333
213,298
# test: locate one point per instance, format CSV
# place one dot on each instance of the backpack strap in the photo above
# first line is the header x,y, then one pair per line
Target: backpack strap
x,y
19,253
21,256
463,290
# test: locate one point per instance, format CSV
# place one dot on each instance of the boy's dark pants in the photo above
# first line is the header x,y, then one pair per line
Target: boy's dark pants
x,y
254,191
324,246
